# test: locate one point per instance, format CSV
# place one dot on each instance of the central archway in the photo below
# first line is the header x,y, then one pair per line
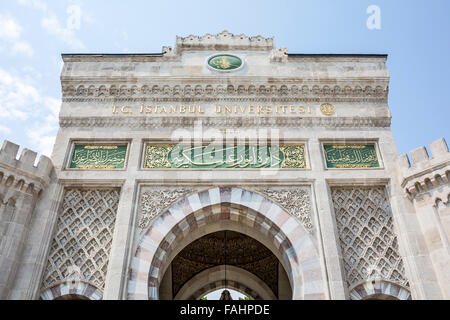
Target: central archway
x,y
225,259
226,209
236,278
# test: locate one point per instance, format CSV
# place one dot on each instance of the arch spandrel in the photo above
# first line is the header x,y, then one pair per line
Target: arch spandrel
x,y
218,204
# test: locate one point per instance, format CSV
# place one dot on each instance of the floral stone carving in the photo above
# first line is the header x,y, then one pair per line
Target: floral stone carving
x,y
295,200
154,201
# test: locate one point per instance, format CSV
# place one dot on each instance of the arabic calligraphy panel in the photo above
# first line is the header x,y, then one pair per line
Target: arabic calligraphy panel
x,y
224,157
98,157
351,156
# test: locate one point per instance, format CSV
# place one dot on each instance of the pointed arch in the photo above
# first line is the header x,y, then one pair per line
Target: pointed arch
x,y
225,204
238,279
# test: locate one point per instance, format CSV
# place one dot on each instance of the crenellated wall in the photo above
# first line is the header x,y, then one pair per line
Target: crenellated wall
x,y
21,185
425,183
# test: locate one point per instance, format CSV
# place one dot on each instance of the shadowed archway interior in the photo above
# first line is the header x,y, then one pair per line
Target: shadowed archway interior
x,y
225,248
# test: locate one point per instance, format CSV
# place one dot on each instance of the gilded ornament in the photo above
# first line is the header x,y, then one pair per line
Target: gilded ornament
x,y
327,109
225,62
224,157
351,156
98,157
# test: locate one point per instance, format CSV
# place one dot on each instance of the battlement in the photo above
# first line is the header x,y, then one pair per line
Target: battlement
x,y
25,164
225,41
424,172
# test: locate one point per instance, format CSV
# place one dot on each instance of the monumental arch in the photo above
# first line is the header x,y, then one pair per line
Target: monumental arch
x,y
224,162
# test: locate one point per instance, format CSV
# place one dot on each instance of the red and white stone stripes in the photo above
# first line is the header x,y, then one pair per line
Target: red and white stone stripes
x,y
225,203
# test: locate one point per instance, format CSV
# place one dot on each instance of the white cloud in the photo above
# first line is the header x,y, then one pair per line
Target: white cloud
x,y
22,47
5,130
42,135
10,33
52,25
9,28
20,100
38,4
16,97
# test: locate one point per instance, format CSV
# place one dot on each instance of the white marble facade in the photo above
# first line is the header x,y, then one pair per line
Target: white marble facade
x,y
342,233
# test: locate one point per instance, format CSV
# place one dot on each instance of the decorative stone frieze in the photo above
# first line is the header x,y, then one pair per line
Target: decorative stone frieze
x,y
144,92
225,122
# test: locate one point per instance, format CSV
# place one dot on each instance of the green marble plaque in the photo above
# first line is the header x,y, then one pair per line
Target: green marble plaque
x,y
351,156
225,62
98,156
210,157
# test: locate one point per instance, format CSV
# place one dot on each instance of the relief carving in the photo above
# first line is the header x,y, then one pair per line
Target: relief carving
x,y
154,200
295,200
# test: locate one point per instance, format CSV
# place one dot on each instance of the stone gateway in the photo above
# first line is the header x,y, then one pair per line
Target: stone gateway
x,y
225,163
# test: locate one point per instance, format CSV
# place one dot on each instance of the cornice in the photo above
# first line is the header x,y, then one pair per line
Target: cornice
x,y
224,122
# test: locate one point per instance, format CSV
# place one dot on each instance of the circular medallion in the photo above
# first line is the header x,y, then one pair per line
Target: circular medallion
x,y
225,62
327,109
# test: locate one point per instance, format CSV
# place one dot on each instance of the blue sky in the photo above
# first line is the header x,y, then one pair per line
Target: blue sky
x,y
33,34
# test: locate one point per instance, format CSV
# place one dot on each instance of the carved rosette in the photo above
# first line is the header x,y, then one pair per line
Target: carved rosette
x,y
154,201
295,200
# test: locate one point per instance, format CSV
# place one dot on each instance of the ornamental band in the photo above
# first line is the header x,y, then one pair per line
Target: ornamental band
x,y
156,190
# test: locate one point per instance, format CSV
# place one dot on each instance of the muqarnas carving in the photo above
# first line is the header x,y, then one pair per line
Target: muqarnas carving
x,y
82,242
367,236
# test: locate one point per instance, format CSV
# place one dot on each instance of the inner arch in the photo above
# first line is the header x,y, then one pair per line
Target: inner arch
x,y
226,257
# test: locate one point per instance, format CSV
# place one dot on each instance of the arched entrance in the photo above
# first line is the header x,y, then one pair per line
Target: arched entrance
x,y
231,209
225,259
221,277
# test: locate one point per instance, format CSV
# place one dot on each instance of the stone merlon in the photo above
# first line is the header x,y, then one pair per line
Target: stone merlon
x,y
25,163
424,169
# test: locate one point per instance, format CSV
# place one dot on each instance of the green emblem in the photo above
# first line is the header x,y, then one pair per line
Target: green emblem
x,y
98,157
210,157
351,156
225,62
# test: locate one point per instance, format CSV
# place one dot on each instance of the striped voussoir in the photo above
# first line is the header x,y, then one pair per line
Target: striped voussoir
x,y
374,288
80,288
223,203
